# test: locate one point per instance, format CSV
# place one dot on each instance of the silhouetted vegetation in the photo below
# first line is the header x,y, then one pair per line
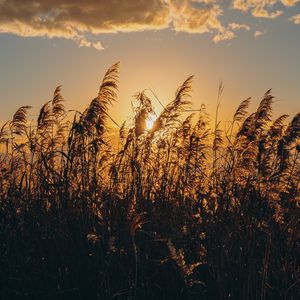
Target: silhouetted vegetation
x,y
179,211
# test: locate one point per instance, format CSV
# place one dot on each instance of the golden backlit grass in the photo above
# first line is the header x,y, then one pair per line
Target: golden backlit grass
x,y
175,210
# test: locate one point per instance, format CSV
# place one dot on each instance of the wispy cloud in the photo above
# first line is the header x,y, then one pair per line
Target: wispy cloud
x,y
224,36
262,8
186,17
258,33
295,19
236,26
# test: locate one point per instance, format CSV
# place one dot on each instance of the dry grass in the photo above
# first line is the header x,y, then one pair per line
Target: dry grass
x,y
180,211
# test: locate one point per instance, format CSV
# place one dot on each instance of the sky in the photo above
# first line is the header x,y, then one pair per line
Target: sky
x,y
249,45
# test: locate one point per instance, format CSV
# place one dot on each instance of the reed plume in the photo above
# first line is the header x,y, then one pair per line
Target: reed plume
x,y
183,210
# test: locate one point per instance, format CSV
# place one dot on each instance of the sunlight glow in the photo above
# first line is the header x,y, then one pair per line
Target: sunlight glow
x,y
150,121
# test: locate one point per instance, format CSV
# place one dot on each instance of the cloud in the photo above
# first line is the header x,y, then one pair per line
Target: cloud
x,y
76,19
236,26
73,19
290,2
229,34
260,12
258,33
84,21
98,46
188,18
192,19
262,8
295,19
224,36
257,7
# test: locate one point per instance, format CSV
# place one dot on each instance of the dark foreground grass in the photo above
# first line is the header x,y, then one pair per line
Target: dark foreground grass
x,y
180,211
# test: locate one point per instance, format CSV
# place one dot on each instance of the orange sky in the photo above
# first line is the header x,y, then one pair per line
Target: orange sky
x,y
252,45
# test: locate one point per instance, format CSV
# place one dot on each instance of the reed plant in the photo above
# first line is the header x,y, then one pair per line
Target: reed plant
x,y
183,210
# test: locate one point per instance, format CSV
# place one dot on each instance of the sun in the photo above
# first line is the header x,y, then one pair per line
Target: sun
x,y
150,121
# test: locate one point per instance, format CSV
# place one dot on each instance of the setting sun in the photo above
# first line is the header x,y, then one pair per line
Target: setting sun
x,y
150,121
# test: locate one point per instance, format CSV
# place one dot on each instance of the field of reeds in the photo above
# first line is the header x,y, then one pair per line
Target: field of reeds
x,y
184,210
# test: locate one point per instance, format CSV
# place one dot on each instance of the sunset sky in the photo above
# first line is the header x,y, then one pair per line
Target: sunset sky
x,y
251,45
